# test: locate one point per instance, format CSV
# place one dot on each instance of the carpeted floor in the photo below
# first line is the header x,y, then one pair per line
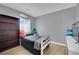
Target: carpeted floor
x,y
53,49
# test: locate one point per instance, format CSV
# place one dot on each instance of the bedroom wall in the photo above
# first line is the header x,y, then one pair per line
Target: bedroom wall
x,y
11,12
77,12
56,24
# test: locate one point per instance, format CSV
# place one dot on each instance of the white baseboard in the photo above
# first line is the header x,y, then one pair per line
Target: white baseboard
x,y
59,43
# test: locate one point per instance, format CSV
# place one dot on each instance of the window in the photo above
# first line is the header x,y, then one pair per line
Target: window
x,y
25,25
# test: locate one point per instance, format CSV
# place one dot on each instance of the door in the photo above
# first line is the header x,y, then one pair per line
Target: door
x,y
9,32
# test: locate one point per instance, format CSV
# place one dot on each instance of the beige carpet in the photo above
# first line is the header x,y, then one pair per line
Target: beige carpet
x,y
19,50
53,49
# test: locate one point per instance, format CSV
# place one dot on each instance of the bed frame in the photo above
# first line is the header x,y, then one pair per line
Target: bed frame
x,y
44,44
29,45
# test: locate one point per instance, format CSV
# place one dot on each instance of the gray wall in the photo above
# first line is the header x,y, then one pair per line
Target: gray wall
x,y
11,12
56,24
77,12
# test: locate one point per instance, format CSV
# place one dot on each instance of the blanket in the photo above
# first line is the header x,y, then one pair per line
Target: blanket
x,y
37,44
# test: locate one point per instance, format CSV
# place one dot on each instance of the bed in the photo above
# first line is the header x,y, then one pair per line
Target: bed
x,y
30,42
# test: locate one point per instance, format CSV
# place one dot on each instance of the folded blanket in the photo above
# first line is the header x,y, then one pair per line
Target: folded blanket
x,y
37,44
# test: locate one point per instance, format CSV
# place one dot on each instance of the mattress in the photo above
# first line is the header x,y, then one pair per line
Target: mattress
x,y
31,38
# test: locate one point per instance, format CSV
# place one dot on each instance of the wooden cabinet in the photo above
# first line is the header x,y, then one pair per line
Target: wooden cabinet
x,y
9,32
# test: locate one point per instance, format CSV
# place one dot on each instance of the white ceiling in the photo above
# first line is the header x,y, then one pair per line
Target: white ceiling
x,y
38,9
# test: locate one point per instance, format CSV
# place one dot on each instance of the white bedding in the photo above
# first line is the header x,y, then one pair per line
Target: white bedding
x,y
31,38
